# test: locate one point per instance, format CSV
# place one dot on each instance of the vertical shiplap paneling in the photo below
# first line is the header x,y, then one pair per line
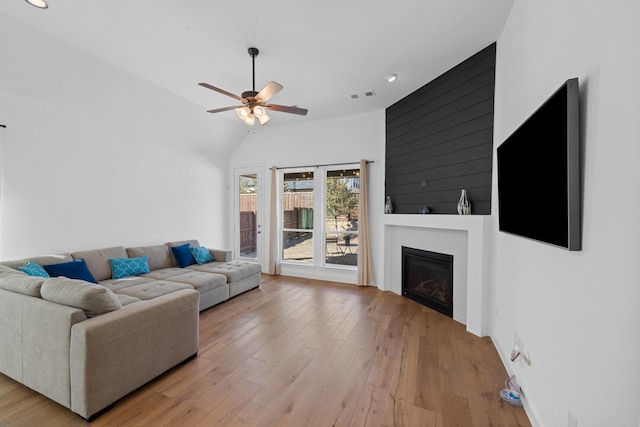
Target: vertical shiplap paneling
x,y
439,140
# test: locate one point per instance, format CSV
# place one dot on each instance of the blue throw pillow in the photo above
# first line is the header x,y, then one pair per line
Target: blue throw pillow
x,y
33,269
73,270
202,255
183,255
123,267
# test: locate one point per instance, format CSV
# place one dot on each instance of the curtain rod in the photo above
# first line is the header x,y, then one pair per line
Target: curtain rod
x,y
318,166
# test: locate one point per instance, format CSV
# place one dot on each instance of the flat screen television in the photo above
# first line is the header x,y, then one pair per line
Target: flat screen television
x,y
539,173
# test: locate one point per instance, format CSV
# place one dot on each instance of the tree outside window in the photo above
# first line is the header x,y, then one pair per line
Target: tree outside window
x,y
342,194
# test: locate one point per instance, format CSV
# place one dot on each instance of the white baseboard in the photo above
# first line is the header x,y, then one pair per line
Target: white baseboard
x,y
508,365
320,273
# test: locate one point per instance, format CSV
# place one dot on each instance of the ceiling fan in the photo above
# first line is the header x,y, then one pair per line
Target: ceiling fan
x,y
255,103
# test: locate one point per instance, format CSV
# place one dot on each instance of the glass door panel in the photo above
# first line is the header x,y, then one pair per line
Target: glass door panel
x,y
297,217
342,194
248,214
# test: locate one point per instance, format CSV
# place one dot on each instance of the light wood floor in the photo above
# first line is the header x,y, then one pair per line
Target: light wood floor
x,y
308,353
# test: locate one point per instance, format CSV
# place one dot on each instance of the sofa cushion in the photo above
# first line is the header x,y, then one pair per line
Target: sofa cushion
x,y
201,255
8,271
126,299
235,270
40,260
192,243
73,270
159,255
98,260
125,282
183,255
16,281
93,299
123,267
201,281
33,269
147,291
164,273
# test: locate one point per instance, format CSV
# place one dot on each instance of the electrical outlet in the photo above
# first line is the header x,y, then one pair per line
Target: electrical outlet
x,y
517,343
518,350
571,420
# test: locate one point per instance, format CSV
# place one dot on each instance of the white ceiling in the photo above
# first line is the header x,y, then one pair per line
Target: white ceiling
x,y
321,52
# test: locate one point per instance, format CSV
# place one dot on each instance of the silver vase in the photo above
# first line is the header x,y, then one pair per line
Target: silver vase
x,y
464,205
388,207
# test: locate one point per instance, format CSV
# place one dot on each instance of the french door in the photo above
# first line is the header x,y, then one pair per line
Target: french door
x,y
248,189
319,216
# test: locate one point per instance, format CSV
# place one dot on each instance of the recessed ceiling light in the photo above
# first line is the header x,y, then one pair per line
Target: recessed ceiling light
x,y
38,3
392,77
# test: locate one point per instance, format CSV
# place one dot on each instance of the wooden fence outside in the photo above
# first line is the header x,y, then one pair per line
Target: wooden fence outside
x,y
303,199
298,214
247,232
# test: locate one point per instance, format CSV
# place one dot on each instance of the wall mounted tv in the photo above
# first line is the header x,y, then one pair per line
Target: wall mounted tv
x,y
539,173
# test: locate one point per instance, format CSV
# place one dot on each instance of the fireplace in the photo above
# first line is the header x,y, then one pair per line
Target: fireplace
x,y
427,278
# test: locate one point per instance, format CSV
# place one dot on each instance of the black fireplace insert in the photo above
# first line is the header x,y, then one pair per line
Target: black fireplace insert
x,y
427,278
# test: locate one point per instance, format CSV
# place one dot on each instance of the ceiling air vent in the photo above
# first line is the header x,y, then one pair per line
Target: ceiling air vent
x,y
363,94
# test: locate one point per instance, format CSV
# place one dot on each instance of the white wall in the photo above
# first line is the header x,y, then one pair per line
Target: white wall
x,y
336,140
576,312
93,156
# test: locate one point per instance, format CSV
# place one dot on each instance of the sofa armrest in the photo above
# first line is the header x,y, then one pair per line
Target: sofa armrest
x,y
34,348
221,255
117,352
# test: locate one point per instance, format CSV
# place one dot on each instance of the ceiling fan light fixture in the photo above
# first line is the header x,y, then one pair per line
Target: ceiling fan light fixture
x,y
261,113
243,112
41,4
246,115
262,116
250,120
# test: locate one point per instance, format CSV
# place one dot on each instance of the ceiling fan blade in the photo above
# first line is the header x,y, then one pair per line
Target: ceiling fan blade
x,y
222,91
219,110
269,90
285,109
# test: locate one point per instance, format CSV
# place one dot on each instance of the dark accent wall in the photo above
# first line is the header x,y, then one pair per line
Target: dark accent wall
x,y
439,140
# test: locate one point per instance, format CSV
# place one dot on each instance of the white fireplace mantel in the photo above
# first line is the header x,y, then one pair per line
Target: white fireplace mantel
x,y
478,232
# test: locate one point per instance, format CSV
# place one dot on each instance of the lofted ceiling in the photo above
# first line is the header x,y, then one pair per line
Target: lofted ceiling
x,y
321,52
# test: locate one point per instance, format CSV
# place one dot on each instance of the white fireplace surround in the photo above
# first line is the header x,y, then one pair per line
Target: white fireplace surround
x,y
466,237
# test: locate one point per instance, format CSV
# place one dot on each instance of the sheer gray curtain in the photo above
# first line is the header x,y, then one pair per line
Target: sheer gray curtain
x,y
365,265
274,256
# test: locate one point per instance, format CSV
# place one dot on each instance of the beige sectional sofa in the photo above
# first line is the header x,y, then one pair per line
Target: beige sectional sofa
x,y
86,345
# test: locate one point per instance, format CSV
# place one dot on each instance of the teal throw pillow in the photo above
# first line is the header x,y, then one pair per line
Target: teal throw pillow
x,y
183,255
73,270
123,267
33,269
202,255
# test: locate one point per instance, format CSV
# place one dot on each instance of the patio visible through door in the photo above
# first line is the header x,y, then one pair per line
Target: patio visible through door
x,y
248,224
